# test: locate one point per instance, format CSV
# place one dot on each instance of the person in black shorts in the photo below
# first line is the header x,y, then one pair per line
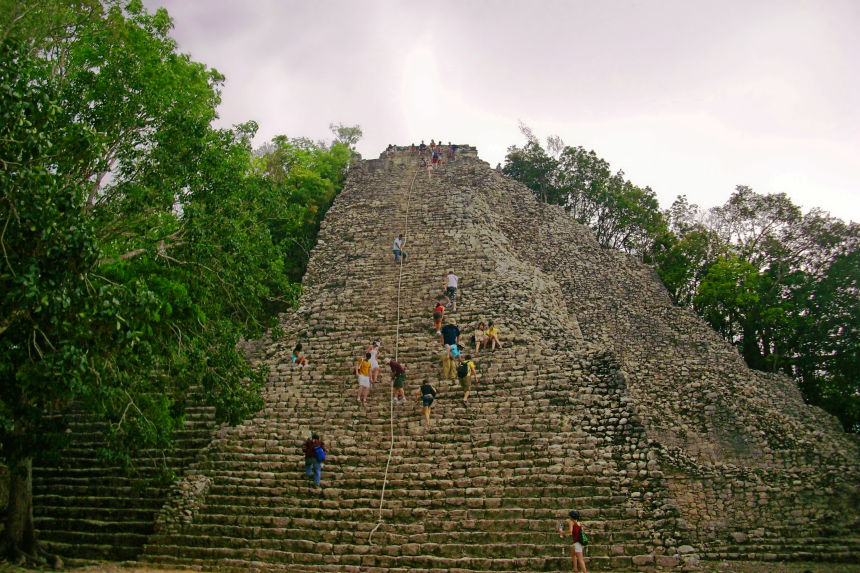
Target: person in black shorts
x,y
398,378
428,396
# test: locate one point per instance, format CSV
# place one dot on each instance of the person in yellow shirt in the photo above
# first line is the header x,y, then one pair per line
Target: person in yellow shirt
x,y
362,370
466,381
493,336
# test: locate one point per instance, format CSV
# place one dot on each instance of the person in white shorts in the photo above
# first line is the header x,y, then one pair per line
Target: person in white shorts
x,y
362,370
373,350
574,529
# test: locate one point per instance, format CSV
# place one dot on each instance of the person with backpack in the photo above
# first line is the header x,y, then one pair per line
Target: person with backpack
x,y
574,529
315,454
466,372
428,395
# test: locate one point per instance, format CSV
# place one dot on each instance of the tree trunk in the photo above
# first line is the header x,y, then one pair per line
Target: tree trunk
x,y
20,535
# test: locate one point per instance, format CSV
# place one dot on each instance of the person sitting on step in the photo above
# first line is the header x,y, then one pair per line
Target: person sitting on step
x,y
297,357
480,337
493,336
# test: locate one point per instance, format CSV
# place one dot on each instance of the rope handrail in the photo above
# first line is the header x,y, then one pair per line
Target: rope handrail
x,y
396,351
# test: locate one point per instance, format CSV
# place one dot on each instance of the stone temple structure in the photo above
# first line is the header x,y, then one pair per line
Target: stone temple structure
x,y
605,398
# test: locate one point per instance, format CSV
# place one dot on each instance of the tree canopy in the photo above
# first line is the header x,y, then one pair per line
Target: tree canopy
x,y
779,284
139,244
622,215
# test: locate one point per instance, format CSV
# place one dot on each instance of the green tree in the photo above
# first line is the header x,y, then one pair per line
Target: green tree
x,y
622,215
137,243
778,284
535,169
684,251
584,179
47,244
299,179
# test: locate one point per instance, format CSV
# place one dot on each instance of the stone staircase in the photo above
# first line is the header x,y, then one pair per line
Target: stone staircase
x,y
605,399
550,427
86,510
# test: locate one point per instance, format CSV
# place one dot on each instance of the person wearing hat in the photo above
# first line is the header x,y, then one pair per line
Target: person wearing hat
x,y
450,333
574,529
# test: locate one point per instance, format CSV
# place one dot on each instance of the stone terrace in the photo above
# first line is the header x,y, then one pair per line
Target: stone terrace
x,y
605,398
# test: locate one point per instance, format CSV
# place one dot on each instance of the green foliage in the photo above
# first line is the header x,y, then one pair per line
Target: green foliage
x,y
347,135
301,180
532,167
778,284
139,245
622,215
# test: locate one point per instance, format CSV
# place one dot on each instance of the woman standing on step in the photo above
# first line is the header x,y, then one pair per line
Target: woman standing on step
x,y
362,370
373,350
574,529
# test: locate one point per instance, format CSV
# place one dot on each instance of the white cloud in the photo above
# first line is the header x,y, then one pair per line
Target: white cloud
x,y
686,97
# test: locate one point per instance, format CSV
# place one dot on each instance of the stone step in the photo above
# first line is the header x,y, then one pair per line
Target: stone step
x,y
369,561
98,509
77,551
125,531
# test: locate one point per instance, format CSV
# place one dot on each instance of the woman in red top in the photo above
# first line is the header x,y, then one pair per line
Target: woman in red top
x,y
574,529
438,315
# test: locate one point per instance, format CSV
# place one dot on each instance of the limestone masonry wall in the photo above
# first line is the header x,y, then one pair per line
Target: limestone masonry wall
x,y
605,398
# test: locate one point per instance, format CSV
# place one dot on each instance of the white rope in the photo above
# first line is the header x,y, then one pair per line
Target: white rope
x,y
396,351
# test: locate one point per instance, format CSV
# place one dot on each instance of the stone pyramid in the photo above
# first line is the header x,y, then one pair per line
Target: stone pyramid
x,y
605,398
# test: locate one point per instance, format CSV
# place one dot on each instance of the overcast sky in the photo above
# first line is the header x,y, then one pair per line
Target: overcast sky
x,y
687,97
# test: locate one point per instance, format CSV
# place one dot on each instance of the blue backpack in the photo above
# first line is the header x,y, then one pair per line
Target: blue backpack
x,y
319,452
